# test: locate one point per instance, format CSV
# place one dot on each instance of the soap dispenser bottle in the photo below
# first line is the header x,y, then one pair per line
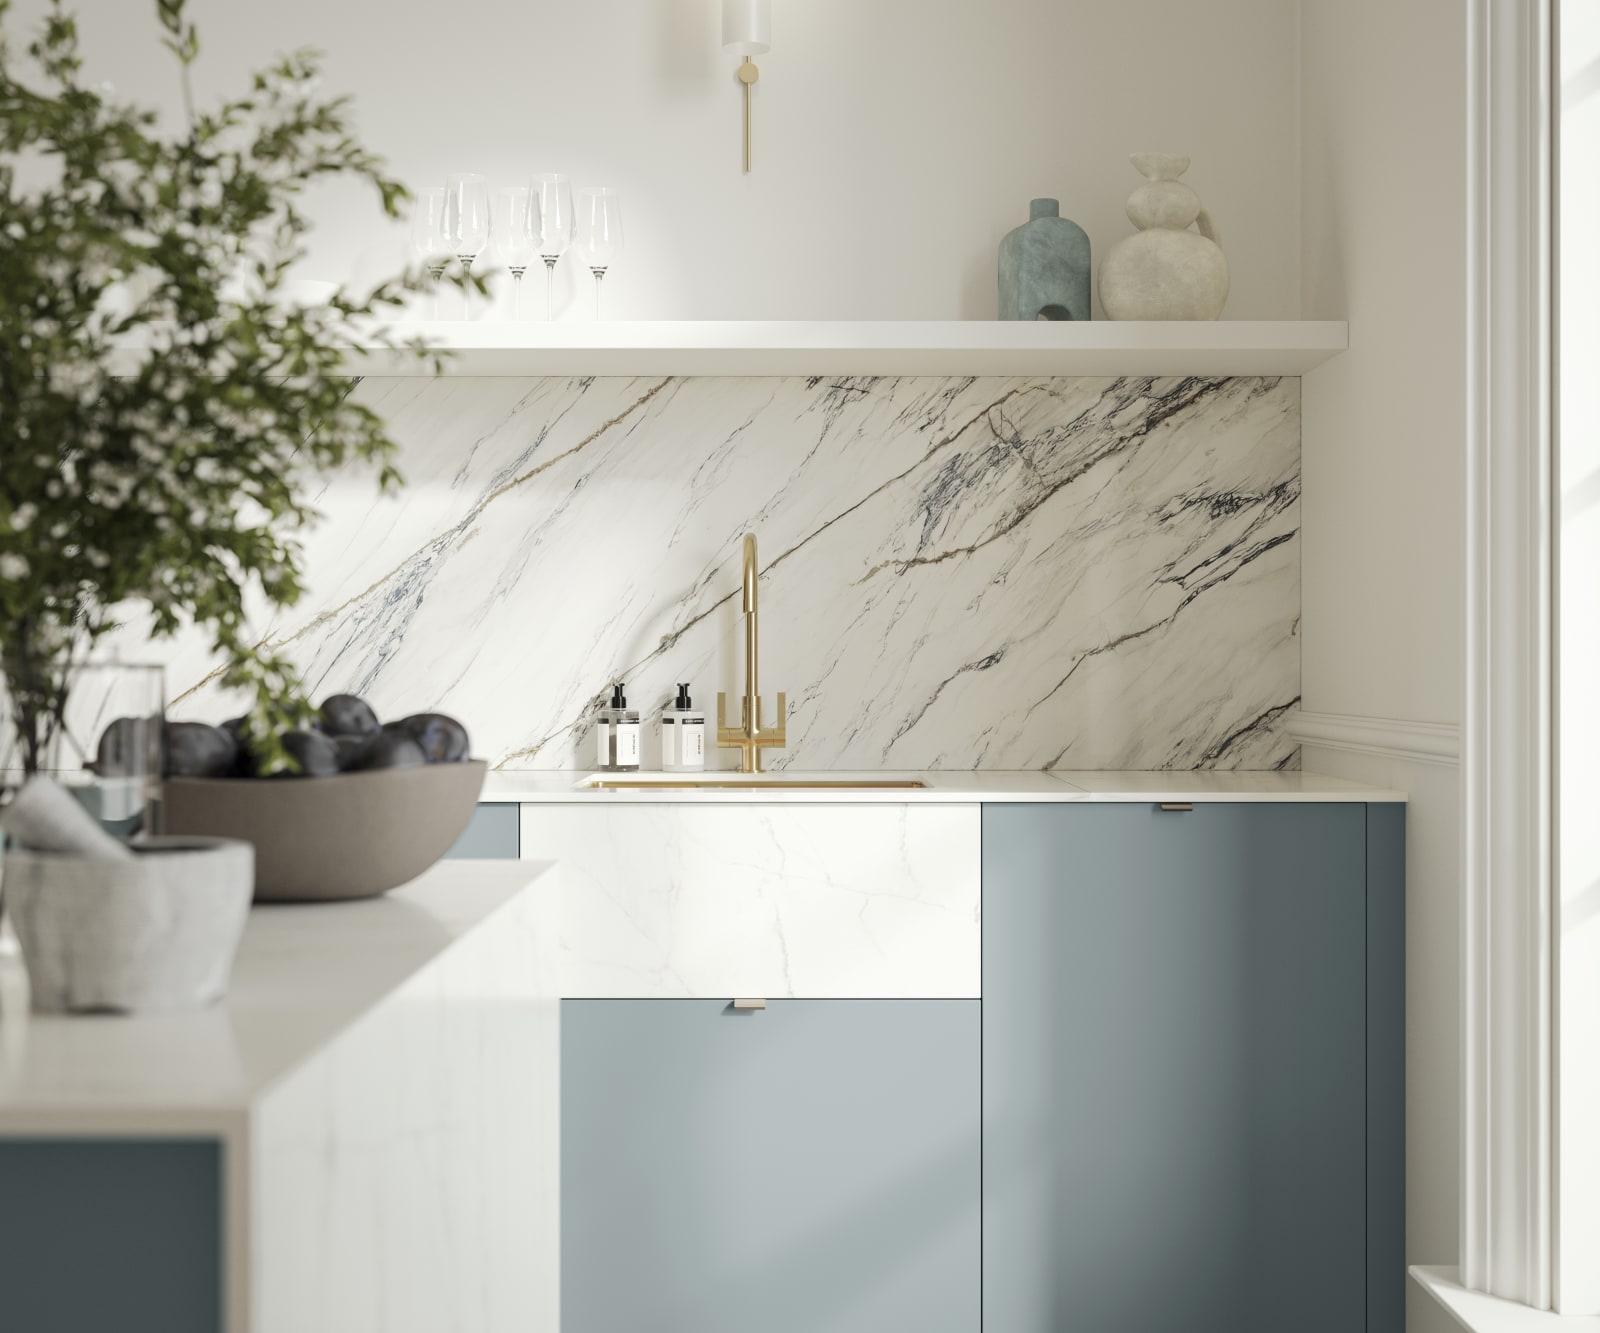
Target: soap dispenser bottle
x,y
617,735
683,736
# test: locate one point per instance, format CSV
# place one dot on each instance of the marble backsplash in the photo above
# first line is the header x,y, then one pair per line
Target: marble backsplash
x,y
956,573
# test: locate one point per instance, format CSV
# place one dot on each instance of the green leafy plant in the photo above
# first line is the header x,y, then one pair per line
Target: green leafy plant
x,y
164,407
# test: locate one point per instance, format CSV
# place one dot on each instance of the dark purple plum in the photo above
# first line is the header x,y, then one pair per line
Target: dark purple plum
x,y
442,738
348,715
387,749
348,748
316,754
198,750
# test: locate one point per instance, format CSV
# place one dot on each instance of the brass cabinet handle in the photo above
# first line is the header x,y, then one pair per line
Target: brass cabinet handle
x,y
749,1006
1177,805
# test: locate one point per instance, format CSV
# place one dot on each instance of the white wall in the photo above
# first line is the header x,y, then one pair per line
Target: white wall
x,y
896,141
1384,203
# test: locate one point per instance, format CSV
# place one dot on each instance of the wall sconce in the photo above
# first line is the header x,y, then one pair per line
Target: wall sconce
x,y
747,31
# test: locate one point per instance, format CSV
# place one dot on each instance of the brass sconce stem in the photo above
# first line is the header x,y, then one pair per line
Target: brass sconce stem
x,y
748,74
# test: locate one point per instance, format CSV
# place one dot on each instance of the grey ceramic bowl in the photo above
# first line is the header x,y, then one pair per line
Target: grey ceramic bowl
x,y
353,835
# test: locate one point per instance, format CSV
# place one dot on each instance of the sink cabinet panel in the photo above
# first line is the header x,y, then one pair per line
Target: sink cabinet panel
x,y
822,901
1192,1068
811,1166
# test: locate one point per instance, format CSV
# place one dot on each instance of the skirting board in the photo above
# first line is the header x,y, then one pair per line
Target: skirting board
x,y
1489,1314
1420,742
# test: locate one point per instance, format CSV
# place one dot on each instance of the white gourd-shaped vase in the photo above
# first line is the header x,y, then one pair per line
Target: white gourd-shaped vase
x,y
1164,270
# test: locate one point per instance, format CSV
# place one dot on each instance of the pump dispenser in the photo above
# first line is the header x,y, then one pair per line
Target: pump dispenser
x,y
683,735
617,735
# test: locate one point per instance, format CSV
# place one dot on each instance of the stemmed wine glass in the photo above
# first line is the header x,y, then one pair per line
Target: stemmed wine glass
x,y
466,222
599,233
515,233
554,194
428,244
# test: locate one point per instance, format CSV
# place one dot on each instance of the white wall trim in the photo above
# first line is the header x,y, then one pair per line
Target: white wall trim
x,y
1388,738
1506,1182
1489,1314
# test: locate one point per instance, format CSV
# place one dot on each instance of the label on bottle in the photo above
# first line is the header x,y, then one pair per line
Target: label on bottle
x,y
627,745
602,740
692,745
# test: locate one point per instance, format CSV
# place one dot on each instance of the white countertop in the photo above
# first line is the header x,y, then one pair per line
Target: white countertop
x,y
304,974
536,787
1223,785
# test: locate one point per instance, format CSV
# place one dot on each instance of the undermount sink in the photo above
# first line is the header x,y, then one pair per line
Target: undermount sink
x,y
744,782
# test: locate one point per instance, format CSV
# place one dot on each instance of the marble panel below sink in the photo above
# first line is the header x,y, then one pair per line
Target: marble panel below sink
x,y
814,901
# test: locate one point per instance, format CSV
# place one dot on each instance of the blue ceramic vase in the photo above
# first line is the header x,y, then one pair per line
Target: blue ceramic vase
x,y
1044,267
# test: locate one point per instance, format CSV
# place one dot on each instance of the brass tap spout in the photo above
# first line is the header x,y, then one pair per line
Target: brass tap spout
x,y
750,737
751,574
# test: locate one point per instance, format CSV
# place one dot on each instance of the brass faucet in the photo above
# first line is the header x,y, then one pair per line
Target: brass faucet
x,y
750,737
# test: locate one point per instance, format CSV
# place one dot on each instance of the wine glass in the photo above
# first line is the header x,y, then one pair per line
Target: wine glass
x,y
428,244
466,221
108,744
514,233
555,228
599,233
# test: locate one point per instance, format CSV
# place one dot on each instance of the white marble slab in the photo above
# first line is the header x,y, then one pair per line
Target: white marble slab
x,y
303,975
956,573
820,901
408,1180
940,787
1234,786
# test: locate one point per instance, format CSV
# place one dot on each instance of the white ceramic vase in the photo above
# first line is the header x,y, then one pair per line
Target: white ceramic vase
x,y
1164,270
153,932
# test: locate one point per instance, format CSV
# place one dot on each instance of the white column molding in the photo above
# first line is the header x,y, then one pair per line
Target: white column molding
x,y
1506,1186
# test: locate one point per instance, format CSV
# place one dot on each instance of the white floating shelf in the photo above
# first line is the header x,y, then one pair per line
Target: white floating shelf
x,y
840,347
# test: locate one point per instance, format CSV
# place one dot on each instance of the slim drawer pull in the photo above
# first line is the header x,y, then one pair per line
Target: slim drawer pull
x,y
1177,805
749,1006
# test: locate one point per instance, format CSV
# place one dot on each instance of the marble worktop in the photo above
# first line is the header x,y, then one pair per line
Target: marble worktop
x,y
305,974
940,787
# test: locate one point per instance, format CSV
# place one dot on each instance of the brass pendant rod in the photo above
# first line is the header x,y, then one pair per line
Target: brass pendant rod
x,y
748,74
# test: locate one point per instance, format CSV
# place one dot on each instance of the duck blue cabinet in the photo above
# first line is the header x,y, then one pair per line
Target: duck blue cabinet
x,y
812,1166
1192,1068
494,833
121,1234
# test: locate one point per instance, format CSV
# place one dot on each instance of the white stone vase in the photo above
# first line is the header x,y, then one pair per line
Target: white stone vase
x,y
1164,270
150,933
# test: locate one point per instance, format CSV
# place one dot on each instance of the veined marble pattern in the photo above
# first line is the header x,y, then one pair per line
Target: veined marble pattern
x,y
407,1178
815,901
956,573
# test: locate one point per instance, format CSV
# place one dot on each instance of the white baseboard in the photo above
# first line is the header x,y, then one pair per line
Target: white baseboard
x,y
1419,742
1489,1314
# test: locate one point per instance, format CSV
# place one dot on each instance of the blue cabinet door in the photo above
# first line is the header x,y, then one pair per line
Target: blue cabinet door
x,y
814,1166
1174,1063
494,833
121,1234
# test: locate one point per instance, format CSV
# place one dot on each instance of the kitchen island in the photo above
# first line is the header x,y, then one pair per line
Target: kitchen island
x,y
362,1136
